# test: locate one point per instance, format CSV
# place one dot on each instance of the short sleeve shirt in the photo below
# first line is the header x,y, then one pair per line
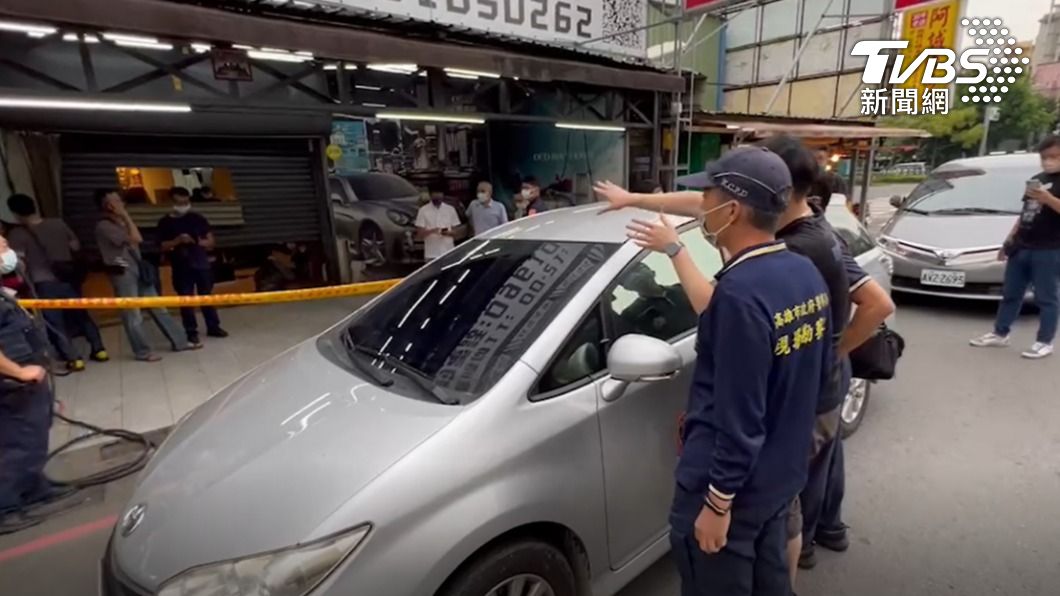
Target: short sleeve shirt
x,y
114,244
45,243
440,217
186,256
487,217
1039,225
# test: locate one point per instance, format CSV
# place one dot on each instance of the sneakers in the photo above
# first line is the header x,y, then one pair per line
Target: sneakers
x,y
77,365
990,340
100,356
833,540
808,557
218,333
1038,350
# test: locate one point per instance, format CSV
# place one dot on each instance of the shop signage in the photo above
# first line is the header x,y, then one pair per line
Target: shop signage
x,y
559,22
904,4
231,65
696,4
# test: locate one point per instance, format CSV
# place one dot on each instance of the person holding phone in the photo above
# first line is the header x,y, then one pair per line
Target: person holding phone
x,y
1032,255
436,224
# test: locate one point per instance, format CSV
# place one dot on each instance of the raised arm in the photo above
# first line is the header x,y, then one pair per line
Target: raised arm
x,y
677,203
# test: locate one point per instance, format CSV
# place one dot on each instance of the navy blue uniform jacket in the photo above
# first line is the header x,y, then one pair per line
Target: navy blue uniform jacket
x,y
764,354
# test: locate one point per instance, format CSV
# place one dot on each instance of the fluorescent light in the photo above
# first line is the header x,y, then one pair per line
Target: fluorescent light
x,y
86,38
76,104
464,73
336,67
277,50
141,44
26,28
394,68
301,4
454,75
367,87
115,37
304,53
201,48
373,105
37,34
429,117
241,47
276,57
575,126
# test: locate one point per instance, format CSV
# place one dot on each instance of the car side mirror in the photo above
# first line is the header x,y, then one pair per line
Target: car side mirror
x,y
641,359
337,200
896,201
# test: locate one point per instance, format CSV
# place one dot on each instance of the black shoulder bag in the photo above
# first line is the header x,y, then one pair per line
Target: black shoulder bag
x,y
877,358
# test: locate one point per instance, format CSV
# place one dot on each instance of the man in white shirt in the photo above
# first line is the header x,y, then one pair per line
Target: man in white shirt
x,y
437,224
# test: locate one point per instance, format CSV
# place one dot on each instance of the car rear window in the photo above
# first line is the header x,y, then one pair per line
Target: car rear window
x,y
381,187
465,319
971,189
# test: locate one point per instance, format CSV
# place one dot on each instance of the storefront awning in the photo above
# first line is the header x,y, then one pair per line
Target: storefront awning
x,y
833,130
338,42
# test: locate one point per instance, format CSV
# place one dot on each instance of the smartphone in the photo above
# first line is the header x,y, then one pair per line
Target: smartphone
x,y
1034,184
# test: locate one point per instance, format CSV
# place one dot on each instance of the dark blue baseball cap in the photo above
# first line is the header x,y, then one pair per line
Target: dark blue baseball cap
x,y
752,175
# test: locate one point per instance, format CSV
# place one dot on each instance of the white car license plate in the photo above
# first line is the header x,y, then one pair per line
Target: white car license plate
x,y
946,279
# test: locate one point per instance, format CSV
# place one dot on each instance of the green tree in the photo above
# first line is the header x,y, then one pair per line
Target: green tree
x,y
952,135
1025,115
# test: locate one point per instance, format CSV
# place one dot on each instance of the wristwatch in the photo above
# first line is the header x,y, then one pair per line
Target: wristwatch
x,y
673,249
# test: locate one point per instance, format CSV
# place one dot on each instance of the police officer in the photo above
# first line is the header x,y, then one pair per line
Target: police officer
x,y
764,355
25,409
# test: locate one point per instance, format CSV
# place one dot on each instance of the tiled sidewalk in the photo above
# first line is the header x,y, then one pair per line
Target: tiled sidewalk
x,y
138,396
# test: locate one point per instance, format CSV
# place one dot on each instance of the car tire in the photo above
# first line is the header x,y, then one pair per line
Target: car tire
x,y
516,569
855,404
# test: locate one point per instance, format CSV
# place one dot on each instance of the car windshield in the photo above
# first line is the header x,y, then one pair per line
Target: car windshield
x,y
971,192
462,322
381,187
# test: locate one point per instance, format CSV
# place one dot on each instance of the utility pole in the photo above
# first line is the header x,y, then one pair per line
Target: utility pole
x,y
990,114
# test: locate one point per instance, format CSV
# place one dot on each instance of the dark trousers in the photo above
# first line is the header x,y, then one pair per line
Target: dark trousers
x,y
753,562
825,436
25,419
71,322
192,282
831,519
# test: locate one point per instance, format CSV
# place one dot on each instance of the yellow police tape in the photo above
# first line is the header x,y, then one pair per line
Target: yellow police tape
x,y
343,291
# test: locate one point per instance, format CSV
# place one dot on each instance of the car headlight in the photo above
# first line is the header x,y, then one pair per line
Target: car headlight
x,y
976,258
399,218
289,572
891,245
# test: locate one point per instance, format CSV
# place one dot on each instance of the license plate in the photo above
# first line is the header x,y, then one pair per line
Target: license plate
x,y
946,279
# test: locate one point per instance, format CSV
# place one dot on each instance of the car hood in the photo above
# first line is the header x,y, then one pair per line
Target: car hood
x,y
950,231
408,206
265,462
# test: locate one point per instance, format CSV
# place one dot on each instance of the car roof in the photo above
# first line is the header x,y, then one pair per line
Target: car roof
x,y
992,162
582,223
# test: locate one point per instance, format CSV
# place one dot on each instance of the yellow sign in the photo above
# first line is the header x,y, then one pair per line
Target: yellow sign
x,y
932,25
334,152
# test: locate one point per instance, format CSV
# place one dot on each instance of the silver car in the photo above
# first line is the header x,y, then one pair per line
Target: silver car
x,y
375,215
502,422
946,234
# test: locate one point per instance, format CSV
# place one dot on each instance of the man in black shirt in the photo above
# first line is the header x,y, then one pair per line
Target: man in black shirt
x,y
1033,253
186,237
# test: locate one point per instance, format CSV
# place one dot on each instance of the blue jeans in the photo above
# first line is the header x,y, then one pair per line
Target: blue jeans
x,y
128,285
25,419
191,282
1042,269
753,562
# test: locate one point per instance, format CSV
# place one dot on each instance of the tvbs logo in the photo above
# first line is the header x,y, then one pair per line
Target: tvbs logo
x,y
939,64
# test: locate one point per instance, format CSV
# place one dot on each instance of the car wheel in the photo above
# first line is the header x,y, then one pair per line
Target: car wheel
x,y
854,406
373,244
523,568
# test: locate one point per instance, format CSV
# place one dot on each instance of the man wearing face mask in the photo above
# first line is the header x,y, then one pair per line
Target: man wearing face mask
x,y
1032,250
530,197
485,213
26,401
186,238
437,224
764,354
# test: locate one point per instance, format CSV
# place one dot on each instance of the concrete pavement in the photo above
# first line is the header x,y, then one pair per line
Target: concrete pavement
x,y
951,488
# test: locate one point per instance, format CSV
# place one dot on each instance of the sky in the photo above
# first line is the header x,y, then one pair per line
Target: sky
x,y
1020,16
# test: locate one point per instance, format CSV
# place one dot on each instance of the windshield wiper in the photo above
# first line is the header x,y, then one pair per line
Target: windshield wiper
x,y
917,211
974,211
371,372
400,366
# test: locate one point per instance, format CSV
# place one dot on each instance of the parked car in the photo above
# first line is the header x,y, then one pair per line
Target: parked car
x,y
375,214
946,234
503,421
880,266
